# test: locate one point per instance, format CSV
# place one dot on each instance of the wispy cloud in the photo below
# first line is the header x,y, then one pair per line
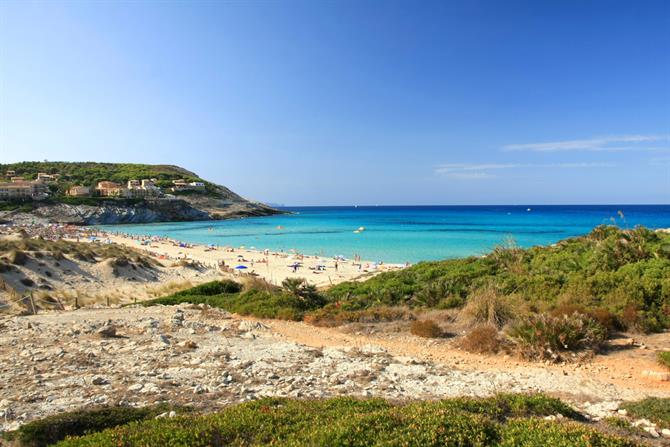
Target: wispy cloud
x,y
479,171
619,143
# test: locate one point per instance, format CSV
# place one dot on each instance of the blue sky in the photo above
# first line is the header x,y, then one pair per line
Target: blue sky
x,y
351,102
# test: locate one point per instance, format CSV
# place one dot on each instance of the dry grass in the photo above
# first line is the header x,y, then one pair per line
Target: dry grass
x,y
426,328
330,316
482,339
487,305
168,288
257,283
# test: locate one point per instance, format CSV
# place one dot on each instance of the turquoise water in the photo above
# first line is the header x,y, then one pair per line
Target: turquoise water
x,y
400,234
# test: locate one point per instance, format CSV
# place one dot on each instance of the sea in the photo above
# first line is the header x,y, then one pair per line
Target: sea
x,y
401,234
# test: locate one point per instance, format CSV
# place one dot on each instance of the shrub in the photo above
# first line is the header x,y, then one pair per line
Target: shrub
x,y
663,358
543,336
350,422
228,295
653,408
331,315
605,318
610,269
52,429
212,288
486,305
426,328
302,290
482,339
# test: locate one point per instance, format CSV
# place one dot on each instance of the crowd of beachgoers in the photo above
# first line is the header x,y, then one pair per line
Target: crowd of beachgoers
x,y
273,266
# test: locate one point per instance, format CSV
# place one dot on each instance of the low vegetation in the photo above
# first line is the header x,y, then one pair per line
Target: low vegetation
x,y
655,409
55,428
332,315
664,358
89,173
504,420
20,251
483,339
547,337
426,328
258,298
623,272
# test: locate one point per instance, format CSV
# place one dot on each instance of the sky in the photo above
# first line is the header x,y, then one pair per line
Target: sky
x,y
351,102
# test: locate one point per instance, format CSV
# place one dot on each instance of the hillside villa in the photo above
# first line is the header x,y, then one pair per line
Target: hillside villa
x,y
183,185
134,189
22,189
79,191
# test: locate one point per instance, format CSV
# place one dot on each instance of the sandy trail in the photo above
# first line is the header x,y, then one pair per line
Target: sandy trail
x,y
622,369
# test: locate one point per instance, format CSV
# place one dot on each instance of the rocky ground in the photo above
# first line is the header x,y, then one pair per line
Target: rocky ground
x,y
205,357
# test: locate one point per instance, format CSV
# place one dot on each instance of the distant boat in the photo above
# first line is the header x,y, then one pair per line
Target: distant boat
x,y
527,209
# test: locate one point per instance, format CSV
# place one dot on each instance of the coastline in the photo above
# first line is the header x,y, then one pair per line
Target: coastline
x,y
272,266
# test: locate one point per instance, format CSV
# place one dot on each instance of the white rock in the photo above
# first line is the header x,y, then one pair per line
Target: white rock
x,y
652,431
252,326
666,432
136,387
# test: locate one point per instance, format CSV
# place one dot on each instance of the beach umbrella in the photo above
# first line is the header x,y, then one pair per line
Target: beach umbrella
x,y
241,267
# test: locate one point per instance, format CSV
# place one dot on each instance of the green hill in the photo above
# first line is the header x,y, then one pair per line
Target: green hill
x,y
89,173
212,202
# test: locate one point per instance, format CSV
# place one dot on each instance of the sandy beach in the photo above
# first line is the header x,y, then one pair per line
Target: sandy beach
x,y
274,267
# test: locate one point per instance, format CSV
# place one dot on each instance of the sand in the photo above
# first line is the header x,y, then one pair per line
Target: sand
x,y
274,267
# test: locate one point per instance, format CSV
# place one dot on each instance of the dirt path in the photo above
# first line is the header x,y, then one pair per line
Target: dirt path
x,y
633,370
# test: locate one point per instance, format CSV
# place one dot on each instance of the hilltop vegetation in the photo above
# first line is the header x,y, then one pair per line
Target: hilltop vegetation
x,y
211,202
89,173
504,420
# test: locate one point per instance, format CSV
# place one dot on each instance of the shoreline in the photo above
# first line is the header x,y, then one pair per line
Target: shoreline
x,y
233,262
272,266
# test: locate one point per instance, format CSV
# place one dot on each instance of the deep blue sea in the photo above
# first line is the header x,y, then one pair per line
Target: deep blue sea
x,y
408,233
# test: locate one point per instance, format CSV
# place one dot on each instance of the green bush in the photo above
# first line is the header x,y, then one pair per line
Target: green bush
x,y
213,288
543,336
259,302
77,423
664,358
653,408
350,422
619,277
